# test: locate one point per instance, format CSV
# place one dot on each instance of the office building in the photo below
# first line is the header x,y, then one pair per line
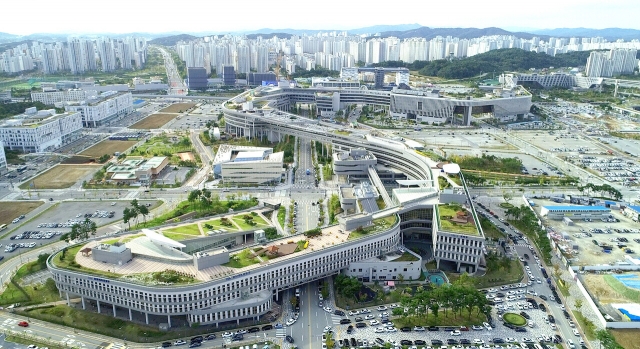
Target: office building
x,y
197,78
51,96
40,130
575,212
136,169
3,157
256,79
228,75
248,165
103,108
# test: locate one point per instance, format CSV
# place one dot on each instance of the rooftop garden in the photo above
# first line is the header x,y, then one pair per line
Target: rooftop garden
x,y
406,257
65,259
379,225
455,219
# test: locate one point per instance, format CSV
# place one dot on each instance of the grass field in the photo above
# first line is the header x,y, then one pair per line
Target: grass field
x,y
13,209
257,219
108,147
59,177
153,121
183,232
177,108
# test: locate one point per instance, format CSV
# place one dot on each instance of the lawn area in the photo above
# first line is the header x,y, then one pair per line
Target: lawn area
x,y
217,224
29,294
586,325
327,172
27,339
191,229
153,121
243,259
177,236
442,320
282,213
60,177
623,290
448,211
495,277
406,257
105,324
379,225
514,319
380,203
13,209
163,146
108,147
244,226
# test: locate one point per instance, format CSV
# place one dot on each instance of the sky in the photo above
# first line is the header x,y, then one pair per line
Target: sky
x,y
219,16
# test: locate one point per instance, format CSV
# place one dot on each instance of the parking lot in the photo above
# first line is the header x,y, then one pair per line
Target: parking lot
x,y
59,219
539,328
582,234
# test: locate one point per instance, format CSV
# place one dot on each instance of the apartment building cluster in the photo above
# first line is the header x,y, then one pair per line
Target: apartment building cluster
x,y
612,63
338,50
77,55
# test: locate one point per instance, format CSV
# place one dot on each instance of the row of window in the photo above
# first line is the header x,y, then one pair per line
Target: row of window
x,y
156,301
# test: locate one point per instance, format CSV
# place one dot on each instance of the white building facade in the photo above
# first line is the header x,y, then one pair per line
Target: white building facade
x,y
40,131
107,106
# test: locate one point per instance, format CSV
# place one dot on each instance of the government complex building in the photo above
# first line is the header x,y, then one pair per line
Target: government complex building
x,y
366,243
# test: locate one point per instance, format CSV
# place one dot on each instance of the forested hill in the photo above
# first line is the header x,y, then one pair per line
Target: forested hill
x,y
498,61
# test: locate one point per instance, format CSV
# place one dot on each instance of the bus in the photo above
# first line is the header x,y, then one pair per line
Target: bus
x,y
3,227
21,169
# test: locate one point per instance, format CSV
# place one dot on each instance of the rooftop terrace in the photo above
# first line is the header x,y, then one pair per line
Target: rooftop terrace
x,y
454,218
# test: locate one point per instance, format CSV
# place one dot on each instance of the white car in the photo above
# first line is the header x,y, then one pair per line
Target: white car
x,y
478,341
354,312
391,329
382,308
369,317
379,330
290,322
328,309
511,340
179,342
418,328
374,322
383,314
227,335
455,333
576,332
327,329
487,326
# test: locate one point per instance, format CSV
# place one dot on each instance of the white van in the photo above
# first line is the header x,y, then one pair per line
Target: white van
x,y
570,344
297,292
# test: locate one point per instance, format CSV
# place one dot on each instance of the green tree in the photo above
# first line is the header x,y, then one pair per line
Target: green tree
x,y
80,231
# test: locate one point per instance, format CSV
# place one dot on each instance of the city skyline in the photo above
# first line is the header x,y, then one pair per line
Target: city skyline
x,y
332,15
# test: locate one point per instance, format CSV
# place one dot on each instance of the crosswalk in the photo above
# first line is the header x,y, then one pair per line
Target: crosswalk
x,y
281,333
335,319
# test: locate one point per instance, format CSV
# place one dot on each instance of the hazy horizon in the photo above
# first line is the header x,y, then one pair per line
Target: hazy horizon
x,y
119,17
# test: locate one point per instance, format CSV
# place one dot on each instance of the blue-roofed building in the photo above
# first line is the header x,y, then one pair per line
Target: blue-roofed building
x,y
633,212
574,212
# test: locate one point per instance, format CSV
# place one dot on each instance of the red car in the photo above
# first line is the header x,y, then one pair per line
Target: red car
x,y
23,324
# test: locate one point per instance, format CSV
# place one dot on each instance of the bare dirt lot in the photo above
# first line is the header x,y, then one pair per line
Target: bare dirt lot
x,y
602,291
13,209
153,121
61,176
627,338
108,147
177,108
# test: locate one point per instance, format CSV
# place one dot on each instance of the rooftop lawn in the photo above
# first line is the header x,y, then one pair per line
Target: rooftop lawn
x,y
243,259
244,226
380,224
191,229
217,224
406,257
447,211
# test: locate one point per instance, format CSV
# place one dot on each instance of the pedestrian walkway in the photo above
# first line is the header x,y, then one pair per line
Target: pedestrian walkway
x,y
281,333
